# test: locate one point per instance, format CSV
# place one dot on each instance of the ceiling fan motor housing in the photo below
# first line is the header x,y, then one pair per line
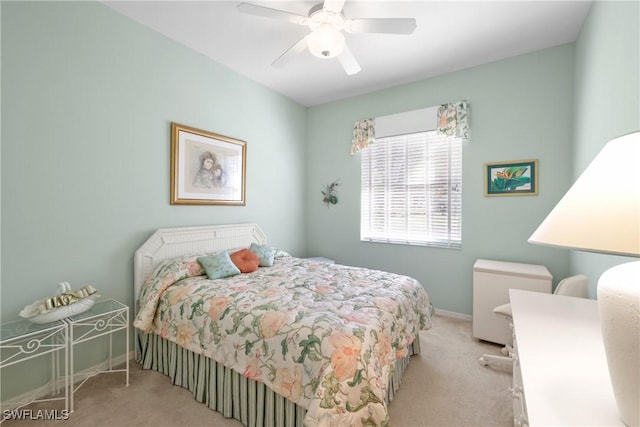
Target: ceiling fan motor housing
x,y
326,42
326,39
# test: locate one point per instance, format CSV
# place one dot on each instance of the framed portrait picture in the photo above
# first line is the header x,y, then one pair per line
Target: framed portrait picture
x,y
206,168
514,178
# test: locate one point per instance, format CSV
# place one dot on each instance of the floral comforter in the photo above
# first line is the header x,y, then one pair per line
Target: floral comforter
x,y
325,336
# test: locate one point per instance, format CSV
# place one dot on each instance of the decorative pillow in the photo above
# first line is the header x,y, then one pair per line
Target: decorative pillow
x,y
245,260
281,254
218,266
265,254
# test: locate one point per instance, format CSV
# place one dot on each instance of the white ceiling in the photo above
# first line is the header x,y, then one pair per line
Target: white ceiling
x,y
450,35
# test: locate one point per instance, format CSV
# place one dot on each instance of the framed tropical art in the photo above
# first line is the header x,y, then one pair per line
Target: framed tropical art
x,y
206,168
514,178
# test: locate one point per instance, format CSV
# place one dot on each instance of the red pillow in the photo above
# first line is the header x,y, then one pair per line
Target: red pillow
x,y
246,260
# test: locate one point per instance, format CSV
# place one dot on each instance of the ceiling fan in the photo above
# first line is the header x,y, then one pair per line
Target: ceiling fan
x,y
326,22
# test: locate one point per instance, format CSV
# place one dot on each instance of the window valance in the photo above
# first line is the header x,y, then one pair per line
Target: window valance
x,y
453,119
450,119
363,135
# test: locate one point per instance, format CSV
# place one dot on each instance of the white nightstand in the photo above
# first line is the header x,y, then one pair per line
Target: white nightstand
x,y
23,340
104,318
491,283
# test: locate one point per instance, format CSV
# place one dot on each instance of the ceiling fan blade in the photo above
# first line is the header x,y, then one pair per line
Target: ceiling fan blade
x,y
381,25
288,55
334,6
267,12
348,62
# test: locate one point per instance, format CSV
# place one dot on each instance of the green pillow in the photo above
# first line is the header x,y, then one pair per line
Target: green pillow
x,y
265,254
218,266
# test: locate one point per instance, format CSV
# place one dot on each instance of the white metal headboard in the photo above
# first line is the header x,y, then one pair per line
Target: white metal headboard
x,y
168,243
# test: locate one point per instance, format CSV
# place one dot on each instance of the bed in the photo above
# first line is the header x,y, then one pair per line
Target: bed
x,y
298,342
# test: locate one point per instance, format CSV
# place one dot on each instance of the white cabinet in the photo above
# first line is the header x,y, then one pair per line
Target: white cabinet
x,y
561,376
491,283
517,391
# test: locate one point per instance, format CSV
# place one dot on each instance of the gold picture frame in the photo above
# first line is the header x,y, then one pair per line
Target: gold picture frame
x,y
513,178
207,168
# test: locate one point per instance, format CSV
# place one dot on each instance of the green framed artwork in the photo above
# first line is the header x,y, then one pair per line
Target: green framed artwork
x,y
514,178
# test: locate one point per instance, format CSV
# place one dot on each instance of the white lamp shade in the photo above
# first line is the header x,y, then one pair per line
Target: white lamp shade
x,y
601,211
326,41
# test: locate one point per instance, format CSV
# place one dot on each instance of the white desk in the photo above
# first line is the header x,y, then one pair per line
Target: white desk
x,y
562,361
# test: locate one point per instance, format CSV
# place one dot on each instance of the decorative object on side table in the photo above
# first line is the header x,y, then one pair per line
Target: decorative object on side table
x,y
515,178
330,193
66,303
601,213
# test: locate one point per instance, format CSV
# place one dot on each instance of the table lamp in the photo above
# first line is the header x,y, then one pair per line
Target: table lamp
x,y
601,213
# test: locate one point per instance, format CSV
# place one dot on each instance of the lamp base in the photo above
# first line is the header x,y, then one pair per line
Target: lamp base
x,y
619,308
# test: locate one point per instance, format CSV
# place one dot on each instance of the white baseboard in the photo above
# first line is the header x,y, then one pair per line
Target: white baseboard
x,y
453,314
45,390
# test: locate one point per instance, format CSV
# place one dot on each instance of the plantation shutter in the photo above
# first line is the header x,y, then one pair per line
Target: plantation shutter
x,y
411,190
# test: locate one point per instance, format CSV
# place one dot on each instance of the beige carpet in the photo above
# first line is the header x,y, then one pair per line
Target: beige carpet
x,y
443,386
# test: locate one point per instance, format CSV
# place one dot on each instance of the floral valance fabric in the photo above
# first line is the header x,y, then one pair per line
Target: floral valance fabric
x,y
453,119
363,134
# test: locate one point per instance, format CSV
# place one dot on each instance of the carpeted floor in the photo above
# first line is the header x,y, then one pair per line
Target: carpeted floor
x,y
443,386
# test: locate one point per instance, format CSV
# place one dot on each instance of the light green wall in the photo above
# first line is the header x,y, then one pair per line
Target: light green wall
x,y
88,96
607,99
520,108
87,100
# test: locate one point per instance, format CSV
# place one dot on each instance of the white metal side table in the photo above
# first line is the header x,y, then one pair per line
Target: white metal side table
x,y
104,318
22,340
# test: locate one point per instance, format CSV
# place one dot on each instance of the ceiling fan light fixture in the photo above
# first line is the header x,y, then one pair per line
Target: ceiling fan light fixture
x,y
326,41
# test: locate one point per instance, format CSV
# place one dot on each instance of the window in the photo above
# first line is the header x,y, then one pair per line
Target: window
x,y
412,190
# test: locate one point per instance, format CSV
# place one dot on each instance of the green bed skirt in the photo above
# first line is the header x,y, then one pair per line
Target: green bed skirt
x,y
229,392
